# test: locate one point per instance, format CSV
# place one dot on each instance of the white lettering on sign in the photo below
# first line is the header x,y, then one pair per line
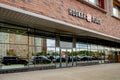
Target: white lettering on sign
x,y
85,16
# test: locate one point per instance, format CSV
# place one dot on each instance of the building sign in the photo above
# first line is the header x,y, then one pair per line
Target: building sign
x,y
85,16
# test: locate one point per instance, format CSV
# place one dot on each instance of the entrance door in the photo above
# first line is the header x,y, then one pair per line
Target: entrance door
x,y
66,57
101,56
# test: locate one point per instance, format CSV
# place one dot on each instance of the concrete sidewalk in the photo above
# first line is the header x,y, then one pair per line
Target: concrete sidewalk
x,y
95,72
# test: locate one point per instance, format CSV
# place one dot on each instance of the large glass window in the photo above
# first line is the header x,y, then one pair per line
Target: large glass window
x,y
116,8
21,48
82,53
118,50
66,54
13,48
97,3
41,51
116,11
108,54
50,46
94,53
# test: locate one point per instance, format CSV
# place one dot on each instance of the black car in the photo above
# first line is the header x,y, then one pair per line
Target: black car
x,y
95,58
77,58
86,58
57,59
40,59
63,59
8,60
51,57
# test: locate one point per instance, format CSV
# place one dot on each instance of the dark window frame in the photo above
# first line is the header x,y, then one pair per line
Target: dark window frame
x,y
112,6
96,6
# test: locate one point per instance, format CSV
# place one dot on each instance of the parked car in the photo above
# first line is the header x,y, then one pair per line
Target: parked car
x,y
63,59
57,59
40,59
95,58
8,60
86,58
69,58
78,58
51,57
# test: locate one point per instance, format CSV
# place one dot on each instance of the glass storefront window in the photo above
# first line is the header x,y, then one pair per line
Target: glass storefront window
x,y
33,50
38,41
51,46
94,47
13,53
81,45
4,37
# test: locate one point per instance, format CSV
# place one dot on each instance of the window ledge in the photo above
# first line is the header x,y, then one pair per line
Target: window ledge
x,y
116,17
94,6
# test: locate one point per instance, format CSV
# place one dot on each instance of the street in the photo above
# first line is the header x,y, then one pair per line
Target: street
x,y
94,72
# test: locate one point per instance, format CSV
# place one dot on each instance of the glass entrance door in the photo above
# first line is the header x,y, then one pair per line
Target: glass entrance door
x,y
101,56
66,57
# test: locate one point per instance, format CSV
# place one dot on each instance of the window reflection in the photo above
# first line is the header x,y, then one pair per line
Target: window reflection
x,y
23,50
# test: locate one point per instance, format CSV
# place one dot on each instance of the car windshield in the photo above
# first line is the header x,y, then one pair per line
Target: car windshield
x,y
44,57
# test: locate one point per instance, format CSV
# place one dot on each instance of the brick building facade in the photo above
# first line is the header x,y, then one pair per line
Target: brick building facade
x,y
76,28
58,9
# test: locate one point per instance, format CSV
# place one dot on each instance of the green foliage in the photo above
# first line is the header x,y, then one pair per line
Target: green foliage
x,y
42,54
84,52
8,52
11,53
33,54
75,53
39,54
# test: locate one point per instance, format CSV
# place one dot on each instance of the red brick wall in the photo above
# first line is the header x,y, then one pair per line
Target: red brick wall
x,y
58,9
